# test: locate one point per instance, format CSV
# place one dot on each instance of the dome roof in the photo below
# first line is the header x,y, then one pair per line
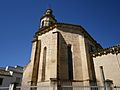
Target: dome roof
x,y
48,12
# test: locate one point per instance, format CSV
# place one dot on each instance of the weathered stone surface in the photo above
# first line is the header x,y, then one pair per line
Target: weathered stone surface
x,y
57,56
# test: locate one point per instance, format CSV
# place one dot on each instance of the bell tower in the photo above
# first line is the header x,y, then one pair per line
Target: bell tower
x,y
47,19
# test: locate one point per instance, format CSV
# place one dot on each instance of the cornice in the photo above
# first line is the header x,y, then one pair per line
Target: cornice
x,y
112,50
70,26
48,16
44,30
4,73
83,31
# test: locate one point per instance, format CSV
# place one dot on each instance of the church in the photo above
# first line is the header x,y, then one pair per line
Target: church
x,y
66,54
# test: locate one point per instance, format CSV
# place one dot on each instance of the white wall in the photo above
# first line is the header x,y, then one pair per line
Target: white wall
x,y
111,67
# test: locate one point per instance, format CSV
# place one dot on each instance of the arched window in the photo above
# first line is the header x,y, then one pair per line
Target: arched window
x,y
44,64
70,62
42,23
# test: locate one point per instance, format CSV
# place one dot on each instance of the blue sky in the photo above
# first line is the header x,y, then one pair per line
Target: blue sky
x,y
19,20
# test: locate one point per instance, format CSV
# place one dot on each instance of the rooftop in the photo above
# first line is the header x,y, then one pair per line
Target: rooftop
x,y
105,51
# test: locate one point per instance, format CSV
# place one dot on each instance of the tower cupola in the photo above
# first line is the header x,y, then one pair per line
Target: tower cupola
x,y
47,19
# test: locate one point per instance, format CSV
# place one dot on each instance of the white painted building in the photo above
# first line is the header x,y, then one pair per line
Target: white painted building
x,y
10,75
107,65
